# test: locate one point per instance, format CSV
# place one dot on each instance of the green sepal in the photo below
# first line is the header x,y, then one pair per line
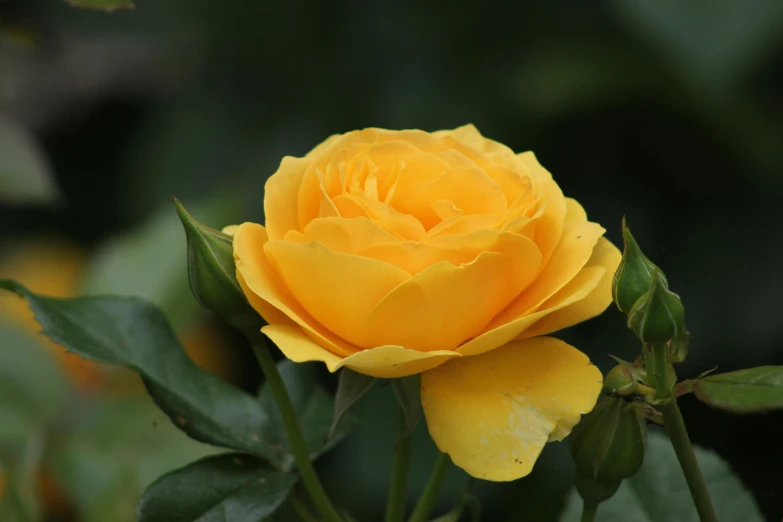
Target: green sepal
x,y
658,315
212,273
609,443
634,275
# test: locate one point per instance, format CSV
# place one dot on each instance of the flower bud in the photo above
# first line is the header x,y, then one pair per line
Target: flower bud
x,y
212,273
619,381
634,275
609,443
658,315
593,492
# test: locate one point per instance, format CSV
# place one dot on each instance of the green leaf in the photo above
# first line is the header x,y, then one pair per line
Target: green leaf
x,y
135,334
26,409
659,493
350,388
102,5
25,176
111,454
215,489
743,391
314,407
408,391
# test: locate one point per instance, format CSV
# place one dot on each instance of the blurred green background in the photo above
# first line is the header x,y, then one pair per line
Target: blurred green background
x,y
670,113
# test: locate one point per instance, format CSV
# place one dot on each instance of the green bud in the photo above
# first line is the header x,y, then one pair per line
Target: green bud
x,y
634,275
609,443
679,345
595,492
212,273
658,315
620,381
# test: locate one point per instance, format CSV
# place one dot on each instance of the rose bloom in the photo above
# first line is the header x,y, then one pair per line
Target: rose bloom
x,y
395,253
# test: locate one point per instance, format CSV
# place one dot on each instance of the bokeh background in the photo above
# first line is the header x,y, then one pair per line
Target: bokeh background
x,y
670,113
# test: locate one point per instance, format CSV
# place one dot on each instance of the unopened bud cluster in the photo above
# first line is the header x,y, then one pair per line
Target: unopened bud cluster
x,y
641,290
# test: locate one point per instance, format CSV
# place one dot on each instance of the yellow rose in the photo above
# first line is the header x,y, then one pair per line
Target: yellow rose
x,y
401,252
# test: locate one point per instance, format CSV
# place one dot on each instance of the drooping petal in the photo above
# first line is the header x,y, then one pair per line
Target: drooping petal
x,y
266,292
493,413
605,255
387,362
391,361
299,347
338,290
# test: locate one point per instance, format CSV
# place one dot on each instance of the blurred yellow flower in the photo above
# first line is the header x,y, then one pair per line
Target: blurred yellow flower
x,y
400,252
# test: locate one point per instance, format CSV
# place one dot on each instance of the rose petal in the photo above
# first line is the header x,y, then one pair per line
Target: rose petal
x,y
386,362
404,226
442,306
549,226
281,196
573,252
574,211
578,288
348,236
470,189
494,413
414,257
266,292
605,255
338,290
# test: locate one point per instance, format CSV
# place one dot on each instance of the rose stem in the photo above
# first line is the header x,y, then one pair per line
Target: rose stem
x,y
674,425
395,508
589,511
296,441
427,500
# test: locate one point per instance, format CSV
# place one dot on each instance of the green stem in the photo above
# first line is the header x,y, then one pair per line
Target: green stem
x,y
674,425
427,500
302,510
588,512
649,364
296,441
395,507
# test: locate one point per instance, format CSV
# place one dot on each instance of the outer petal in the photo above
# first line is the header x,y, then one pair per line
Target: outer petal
x,y
470,135
386,362
578,288
573,252
281,196
338,290
493,413
574,211
549,226
439,308
605,255
266,293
